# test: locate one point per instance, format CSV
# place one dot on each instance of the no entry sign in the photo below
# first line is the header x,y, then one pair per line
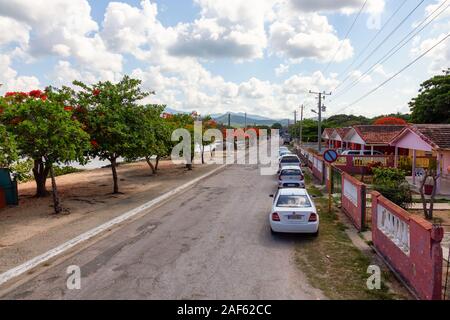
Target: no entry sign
x,y
330,156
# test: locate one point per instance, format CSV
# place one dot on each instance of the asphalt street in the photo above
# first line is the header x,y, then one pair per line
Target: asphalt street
x,y
211,242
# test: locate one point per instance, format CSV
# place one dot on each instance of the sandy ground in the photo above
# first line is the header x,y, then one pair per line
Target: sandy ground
x,y
31,229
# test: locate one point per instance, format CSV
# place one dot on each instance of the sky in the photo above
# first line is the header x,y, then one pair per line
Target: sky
x,y
215,56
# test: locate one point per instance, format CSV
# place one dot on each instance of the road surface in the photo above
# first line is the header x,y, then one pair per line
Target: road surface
x,y
212,242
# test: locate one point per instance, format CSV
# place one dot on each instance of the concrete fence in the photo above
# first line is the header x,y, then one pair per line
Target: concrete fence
x,y
410,245
353,200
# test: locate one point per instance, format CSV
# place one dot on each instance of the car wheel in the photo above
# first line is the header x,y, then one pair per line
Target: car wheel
x,y
316,234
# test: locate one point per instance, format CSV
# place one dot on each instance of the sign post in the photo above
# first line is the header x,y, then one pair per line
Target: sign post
x,y
330,156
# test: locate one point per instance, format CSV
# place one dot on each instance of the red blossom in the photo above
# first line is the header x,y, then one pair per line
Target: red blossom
x,y
96,92
10,94
94,143
44,97
68,108
35,93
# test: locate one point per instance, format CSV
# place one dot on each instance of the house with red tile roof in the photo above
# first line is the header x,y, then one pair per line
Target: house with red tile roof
x,y
372,137
422,141
334,137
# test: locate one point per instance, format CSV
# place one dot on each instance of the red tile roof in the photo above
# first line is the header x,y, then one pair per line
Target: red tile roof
x,y
328,131
342,132
379,134
437,135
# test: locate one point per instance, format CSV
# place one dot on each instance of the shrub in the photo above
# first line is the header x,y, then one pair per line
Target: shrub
x,y
392,184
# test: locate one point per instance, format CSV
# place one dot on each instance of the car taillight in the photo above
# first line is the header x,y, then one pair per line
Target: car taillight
x,y
275,217
301,177
312,217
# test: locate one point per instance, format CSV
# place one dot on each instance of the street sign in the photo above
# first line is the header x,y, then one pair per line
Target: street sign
x,y
330,156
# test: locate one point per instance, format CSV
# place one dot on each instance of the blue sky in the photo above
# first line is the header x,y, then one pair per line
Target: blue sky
x,y
257,56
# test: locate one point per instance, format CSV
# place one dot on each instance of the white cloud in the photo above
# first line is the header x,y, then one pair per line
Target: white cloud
x,y
281,69
439,56
10,79
64,28
13,32
306,35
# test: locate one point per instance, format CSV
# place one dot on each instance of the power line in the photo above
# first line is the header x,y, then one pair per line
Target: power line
x,y
383,41
395,75
346,36
394,49
373,39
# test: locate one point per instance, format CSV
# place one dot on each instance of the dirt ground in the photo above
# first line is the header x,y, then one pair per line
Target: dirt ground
x,y
31,229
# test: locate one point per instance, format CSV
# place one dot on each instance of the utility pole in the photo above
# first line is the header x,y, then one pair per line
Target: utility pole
x,y
229,120
295,126
301,124
319,112
246,120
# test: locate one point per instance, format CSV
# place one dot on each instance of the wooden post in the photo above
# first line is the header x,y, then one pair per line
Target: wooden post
x,y
329,188
396,157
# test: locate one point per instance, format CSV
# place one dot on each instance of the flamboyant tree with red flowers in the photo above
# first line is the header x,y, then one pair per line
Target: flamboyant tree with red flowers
x,y
44,130
390,121
111,114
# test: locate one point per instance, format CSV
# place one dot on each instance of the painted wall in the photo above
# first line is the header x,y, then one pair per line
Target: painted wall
x,y
353,200
419,262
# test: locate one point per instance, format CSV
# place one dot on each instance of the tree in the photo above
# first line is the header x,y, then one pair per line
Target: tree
x,y
185,121
45,130
207,123
390,121
8,148
277,126
109,112
432,105
430,173
153,137
392,184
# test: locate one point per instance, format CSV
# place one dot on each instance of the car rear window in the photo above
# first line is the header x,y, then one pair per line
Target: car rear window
x,y
293,201
290,160
291,172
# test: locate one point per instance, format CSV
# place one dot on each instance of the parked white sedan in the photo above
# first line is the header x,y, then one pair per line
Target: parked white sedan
x,y
293,211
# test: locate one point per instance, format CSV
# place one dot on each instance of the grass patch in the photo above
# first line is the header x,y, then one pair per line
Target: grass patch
x,y
334,265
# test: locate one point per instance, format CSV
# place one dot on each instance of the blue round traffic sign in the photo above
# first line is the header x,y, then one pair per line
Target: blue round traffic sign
x,y
330,156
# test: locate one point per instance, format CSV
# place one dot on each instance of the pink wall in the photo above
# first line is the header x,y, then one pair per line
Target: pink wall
x,y
355,211
422,267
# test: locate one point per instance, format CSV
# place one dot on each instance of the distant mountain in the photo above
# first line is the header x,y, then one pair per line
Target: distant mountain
x,y
238,118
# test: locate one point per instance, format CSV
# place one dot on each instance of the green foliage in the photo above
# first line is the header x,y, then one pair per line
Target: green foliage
x,y
61,171
8,148
114,119
22,170
432,105
45,130
277,125
392,184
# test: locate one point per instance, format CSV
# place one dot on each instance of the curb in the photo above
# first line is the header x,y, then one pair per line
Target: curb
x,y
30,264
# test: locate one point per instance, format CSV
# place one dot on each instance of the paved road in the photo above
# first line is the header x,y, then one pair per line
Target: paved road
x,y
212,242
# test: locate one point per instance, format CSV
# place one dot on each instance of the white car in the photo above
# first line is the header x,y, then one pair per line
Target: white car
x,y
291,177
360,153
293,211
288,160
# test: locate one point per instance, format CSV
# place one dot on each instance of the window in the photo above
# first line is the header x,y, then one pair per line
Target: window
x,y
293,201
291,172
290,160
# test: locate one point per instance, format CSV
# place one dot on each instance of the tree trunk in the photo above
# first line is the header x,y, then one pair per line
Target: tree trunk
x,y
56,203
157,163
40,172
150,164
114,172
433,196
203,154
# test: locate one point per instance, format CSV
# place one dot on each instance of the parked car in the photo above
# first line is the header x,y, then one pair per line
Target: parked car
x,y
284,152
289,160
291,177
361,153
293,211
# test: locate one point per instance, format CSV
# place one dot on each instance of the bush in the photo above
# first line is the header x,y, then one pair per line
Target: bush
x,y
60,171
22,170
392,184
